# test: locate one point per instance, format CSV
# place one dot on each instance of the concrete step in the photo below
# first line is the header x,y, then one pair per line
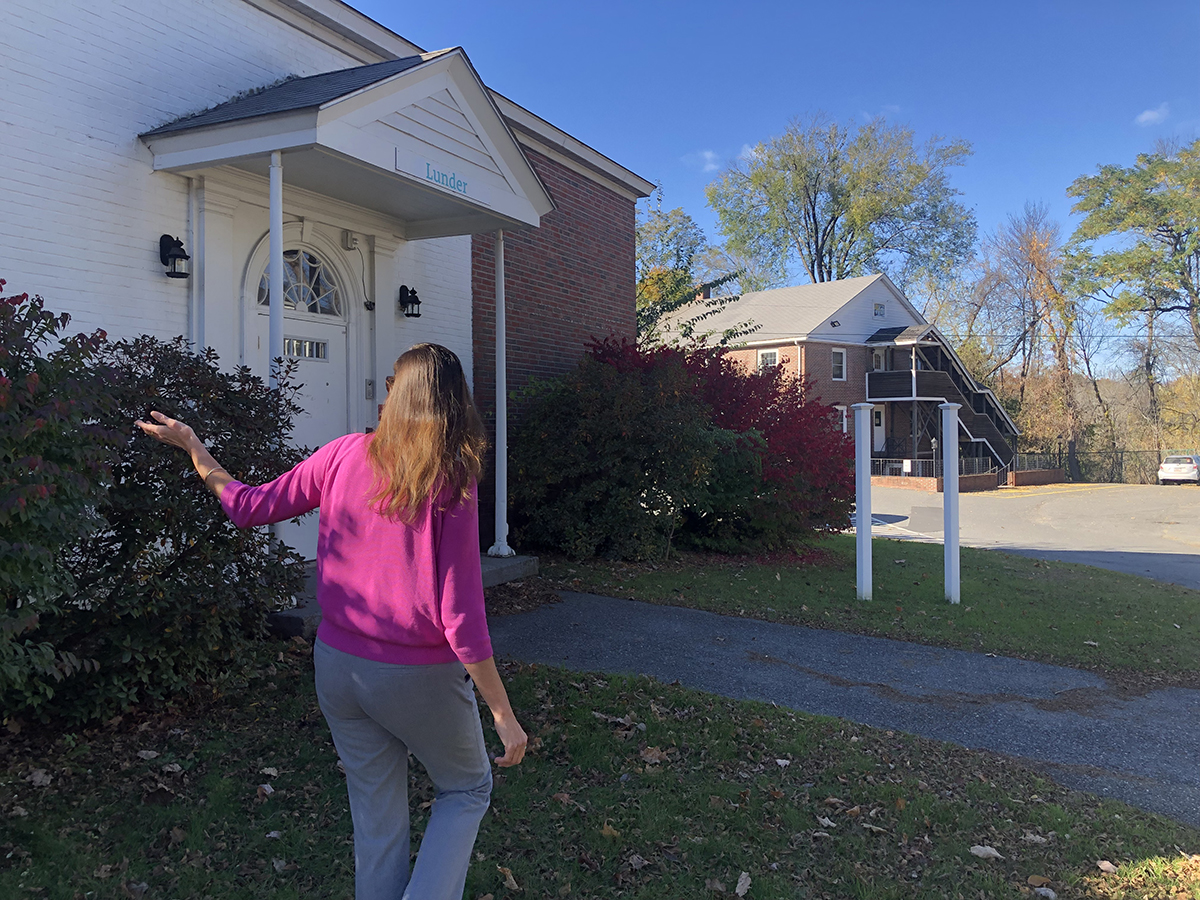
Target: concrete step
x,y
305,616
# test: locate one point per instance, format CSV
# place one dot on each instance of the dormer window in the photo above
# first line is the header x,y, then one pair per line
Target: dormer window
x,y
880,310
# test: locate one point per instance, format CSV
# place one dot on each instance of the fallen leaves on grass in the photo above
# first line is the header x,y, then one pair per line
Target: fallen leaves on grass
x,y
743,884
509,881
519,596
985,852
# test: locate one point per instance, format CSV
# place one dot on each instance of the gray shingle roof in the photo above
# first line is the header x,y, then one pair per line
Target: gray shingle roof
x,y
294,94
785,312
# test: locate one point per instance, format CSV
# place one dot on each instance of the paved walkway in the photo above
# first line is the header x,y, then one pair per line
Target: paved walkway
x,y
1142,750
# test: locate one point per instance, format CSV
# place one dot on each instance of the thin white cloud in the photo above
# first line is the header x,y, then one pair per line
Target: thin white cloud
x,y
1154,116
747,152
704,160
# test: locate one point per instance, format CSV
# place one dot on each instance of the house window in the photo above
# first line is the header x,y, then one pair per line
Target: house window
x,y
877,361
839,365
767,359
843,422
880,310
303,348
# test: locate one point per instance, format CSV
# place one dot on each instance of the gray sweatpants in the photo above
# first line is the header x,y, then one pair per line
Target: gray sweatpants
x,y
378,714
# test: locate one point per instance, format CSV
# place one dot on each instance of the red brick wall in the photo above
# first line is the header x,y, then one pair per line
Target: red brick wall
x,y
816,364
566,282
748,357
966,483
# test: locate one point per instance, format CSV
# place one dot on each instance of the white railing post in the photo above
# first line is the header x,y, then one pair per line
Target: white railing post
x,y
862,497
950,499
275,265
500,547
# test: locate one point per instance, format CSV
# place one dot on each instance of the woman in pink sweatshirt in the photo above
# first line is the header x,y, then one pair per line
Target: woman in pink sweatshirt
x,y
403,633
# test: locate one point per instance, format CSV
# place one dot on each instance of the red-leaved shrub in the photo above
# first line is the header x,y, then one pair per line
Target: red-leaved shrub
x,y
767,464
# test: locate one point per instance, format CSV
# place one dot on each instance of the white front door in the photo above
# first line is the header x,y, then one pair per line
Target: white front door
x,y
316,337
880,433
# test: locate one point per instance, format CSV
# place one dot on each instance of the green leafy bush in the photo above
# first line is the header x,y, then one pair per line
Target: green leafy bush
x,y
606,460
154,591
641,447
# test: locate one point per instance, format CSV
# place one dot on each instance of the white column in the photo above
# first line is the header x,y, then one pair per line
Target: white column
x,y
501,548
950,498
862,496
383,282
217,283
275,267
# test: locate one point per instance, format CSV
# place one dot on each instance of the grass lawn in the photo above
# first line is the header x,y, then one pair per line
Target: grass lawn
x,y
1136,630
631,789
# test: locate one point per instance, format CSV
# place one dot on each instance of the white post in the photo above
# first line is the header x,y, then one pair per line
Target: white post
x,y
862,496
950,499
275,267
500,547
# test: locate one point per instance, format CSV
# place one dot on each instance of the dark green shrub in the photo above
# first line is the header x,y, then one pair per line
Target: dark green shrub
x,y
54,464
606,460
155,591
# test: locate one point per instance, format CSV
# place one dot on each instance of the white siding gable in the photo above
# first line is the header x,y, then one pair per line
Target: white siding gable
x,y
857,319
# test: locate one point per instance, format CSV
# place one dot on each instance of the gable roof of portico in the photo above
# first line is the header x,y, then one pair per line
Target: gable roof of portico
x,y
419,139
294,93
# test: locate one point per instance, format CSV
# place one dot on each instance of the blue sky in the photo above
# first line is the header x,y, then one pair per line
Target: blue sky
x,y
1044,91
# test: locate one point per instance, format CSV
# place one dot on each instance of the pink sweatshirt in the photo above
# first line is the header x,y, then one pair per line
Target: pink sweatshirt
x,y
390,592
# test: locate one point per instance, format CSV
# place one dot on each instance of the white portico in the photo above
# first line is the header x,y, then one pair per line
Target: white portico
x,y
307,200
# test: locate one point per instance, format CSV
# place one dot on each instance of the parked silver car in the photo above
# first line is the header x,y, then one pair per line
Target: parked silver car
x,y
1178,469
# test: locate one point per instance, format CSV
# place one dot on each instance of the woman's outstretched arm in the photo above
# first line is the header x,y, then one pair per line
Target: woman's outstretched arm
x,y
173,432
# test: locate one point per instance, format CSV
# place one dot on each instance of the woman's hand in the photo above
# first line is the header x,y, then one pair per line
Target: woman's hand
x,y
487,680
173,432
514,738
170,431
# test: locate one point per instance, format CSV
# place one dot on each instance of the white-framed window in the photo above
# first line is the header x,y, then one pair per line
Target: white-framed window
x,y
767,359
878,360
880,310
305,348
839,365
308,285
842,419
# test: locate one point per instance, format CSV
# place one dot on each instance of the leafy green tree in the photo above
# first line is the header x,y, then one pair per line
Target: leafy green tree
x,y
1138,246
667,240
845,200
670,249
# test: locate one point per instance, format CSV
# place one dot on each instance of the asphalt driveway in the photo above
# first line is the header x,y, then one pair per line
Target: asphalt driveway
x,y
1148,530
1070,723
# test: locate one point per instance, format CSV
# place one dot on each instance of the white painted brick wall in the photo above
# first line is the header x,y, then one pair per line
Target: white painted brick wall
x,y
440,270
80,208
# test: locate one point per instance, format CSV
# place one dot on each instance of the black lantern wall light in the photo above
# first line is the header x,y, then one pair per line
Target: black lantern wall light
x,y
173,256
409,302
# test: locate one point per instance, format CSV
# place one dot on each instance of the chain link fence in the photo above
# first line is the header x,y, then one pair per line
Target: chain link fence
x,y
1113,466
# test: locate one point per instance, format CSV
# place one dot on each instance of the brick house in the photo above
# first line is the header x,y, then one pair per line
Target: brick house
x,y
301,137
860,340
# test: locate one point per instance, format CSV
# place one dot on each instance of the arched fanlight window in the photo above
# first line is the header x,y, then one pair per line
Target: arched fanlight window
x,y
308,285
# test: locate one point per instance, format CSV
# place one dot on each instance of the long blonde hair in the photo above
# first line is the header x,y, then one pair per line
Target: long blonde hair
x,y
430,435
